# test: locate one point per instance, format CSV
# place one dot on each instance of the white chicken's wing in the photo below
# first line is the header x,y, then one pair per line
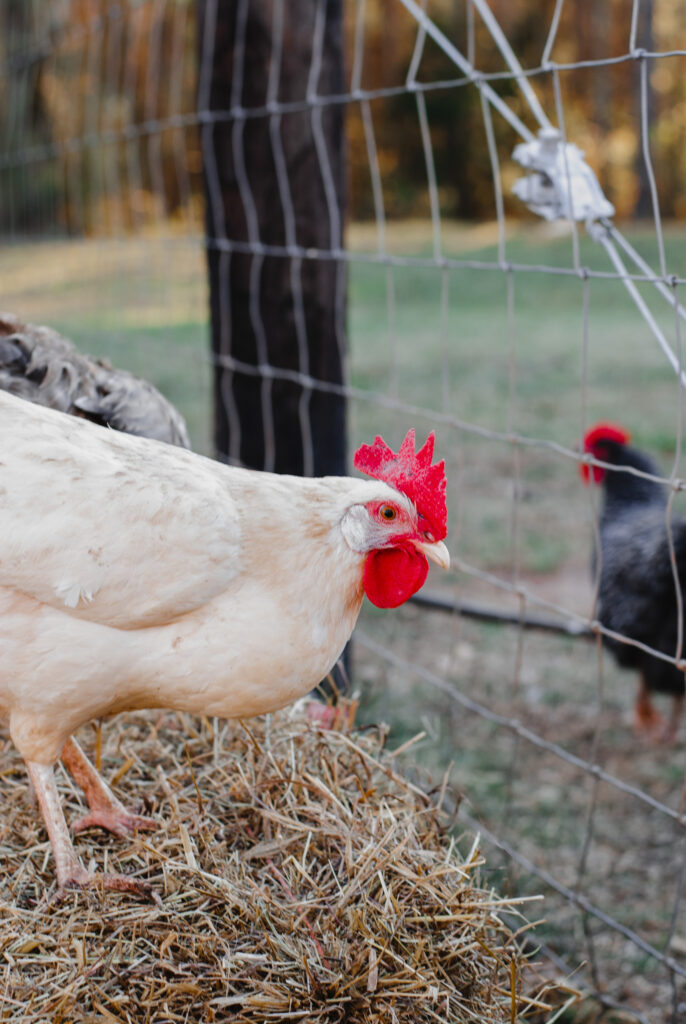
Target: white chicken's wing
x,y
116,529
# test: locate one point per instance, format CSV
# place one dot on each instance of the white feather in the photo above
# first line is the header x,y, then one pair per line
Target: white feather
x,y
72,593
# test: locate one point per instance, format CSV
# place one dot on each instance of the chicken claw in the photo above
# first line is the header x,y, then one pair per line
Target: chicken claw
x,y
650,723
71,874
336,718
119,822
106,810
82,879
667,732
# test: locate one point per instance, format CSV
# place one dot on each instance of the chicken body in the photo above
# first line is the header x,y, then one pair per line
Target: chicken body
x,y
38,364
637,595
138,575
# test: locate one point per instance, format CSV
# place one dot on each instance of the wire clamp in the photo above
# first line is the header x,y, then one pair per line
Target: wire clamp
x,y
560,184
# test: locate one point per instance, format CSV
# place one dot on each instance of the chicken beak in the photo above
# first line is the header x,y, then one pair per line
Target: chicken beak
x,y
436,551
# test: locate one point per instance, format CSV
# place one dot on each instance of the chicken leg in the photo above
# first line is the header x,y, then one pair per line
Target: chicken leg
x,y
649,722
70,872
105,809
671,730
647,719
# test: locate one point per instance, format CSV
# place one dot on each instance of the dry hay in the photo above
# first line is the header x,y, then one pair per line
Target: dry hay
x,y
297,875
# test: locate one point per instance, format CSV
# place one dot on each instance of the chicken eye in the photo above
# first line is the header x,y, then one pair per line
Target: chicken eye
x,y
388,512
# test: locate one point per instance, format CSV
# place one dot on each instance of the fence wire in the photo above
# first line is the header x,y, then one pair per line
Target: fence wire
x,y
107,123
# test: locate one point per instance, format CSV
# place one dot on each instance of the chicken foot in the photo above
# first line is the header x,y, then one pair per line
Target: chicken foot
x,y
105,809
670,731
70,871
649,722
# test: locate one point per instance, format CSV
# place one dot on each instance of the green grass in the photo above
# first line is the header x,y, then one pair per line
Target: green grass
x,y
545,342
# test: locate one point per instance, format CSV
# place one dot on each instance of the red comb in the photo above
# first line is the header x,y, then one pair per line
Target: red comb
x,y
594,436
604,431
411,473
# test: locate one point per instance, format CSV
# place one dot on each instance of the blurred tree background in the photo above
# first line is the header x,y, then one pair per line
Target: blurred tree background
x,y
111,140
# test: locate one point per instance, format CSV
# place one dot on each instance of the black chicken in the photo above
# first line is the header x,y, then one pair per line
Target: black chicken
x,y
38,364
637,595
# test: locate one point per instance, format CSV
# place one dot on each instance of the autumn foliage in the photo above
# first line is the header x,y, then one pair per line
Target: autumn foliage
x,y
100,103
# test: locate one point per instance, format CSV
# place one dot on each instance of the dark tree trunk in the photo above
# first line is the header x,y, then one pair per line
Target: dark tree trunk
x,y
275,179
601,98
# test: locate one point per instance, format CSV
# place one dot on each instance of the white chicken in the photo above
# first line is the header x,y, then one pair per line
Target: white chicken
x,y
38,364
138,575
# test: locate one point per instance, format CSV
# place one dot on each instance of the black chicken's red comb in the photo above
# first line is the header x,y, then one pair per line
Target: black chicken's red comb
x,y
605,431
411,473
593,438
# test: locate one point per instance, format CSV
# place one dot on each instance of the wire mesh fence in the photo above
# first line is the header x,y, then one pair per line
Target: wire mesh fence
x,y
509,336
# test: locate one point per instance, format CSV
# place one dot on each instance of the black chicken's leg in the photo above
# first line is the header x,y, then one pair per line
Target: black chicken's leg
x,y
650,723
647,720
671,728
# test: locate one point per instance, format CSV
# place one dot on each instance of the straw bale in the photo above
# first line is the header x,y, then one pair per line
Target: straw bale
x,y
297,876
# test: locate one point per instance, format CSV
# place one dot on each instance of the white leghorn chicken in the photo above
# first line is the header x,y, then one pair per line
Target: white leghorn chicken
x,y
138,575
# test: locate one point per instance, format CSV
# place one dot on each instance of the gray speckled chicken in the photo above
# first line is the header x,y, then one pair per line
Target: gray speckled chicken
x,y
38,364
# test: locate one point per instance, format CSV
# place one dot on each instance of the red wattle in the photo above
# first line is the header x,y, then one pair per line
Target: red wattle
x,y
593,443
585,472
393,575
